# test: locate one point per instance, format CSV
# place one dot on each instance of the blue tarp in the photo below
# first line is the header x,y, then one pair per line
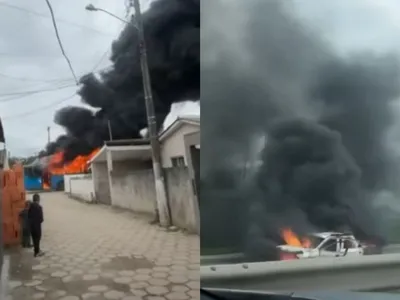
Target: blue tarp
x,y
32,183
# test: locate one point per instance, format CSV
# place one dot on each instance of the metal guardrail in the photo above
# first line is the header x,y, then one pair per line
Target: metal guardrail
x,y
374,272
392,248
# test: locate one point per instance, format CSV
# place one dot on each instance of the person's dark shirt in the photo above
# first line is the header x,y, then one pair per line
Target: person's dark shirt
x,y
35,214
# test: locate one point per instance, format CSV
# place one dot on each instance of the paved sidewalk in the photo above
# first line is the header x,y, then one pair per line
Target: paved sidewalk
x,y
95,252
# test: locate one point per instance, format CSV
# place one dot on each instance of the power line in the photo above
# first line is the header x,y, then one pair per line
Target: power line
x,y
35,79
59,41
20,95
55,80
106,53
39,109
26,93
5,4
101,60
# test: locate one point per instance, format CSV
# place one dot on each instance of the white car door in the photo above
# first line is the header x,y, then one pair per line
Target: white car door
x,y
352,247
329,247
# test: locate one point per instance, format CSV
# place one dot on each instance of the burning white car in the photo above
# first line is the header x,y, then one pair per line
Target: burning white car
x,y
323,244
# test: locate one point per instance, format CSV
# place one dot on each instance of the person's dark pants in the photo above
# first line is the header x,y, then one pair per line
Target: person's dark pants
x,y
26,238
36,233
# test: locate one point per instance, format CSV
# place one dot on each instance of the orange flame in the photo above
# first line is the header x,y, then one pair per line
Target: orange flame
x,y
292,239
78,165
46,186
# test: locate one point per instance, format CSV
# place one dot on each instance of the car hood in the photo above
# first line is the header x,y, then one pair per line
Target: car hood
x,y
292,248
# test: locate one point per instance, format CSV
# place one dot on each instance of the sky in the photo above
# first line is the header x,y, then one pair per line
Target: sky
x,y
354,25
31,61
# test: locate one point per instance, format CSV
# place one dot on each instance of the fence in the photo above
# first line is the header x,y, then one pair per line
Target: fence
x,y
181,198
134,189
80,186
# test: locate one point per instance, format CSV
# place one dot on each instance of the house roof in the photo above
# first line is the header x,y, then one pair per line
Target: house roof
x,y
178,123
123,152
128,142
139,148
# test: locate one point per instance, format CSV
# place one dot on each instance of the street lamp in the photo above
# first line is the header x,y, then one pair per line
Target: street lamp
x,y
91,7
163,212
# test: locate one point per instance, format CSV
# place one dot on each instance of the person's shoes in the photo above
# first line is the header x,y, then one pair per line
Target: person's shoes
x,y
41,253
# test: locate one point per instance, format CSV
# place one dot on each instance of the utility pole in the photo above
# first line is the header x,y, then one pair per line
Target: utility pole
x,y
48,135
161,192
109,130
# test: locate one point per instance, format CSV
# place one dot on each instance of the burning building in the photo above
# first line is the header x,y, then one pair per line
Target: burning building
x,y
172,33
48,172
322,118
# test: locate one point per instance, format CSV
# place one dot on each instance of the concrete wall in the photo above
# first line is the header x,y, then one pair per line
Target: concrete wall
x,y
133,186
67,179
192,149
173,145
101,183
180,198
80,186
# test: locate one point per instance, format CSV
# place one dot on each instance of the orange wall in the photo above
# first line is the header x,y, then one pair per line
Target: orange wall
x,y
13,201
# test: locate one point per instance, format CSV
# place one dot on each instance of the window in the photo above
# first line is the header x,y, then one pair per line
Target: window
x,y
315,241
178,161
330,245
349,244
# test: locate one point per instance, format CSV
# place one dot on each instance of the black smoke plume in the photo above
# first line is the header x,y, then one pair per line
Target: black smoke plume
x,y
172,33
294,135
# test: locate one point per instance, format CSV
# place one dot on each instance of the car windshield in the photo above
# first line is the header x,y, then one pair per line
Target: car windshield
x,y
313,240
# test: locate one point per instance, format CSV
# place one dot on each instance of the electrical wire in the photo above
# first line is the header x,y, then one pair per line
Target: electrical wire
x,y
35,79
5,4
20,95
107,52
60,43
55,80
101,60
39,109
27,93
62,49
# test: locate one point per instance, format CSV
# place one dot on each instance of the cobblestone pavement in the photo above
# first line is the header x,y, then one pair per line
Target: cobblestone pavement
x,y
96,252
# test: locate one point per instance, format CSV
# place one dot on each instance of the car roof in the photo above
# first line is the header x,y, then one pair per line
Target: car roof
x,y
324,235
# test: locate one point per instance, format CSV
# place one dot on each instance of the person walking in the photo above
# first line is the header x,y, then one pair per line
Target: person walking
x,y
25,226
35,215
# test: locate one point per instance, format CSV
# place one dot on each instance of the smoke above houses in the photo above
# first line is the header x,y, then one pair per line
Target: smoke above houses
x,y
172,32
